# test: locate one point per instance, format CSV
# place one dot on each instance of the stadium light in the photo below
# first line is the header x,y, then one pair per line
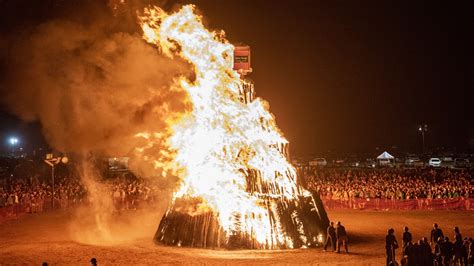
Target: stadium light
x,y
52,161
13,141
423,129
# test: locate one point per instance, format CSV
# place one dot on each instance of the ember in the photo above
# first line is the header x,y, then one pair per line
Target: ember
x,y
237,189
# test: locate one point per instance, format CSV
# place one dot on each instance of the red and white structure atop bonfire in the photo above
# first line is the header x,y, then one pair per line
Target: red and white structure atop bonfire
x,y
242,64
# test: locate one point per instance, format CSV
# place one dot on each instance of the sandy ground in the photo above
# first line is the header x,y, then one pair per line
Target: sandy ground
x,y
35,238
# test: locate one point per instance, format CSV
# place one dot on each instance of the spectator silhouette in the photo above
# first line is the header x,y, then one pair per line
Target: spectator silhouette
x,y
406,237
390,245
330,237
436,233
458,247
449,251
341,237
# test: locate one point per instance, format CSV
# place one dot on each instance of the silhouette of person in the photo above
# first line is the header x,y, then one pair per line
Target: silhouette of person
x,y
436,233
406,237
341,237
331,236
390,245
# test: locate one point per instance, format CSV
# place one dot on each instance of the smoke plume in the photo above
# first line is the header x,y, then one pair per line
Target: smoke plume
x,y
92,86
100,223
82,70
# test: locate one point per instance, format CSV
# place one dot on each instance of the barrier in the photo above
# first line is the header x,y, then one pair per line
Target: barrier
x,y
14,211
389,204
17,210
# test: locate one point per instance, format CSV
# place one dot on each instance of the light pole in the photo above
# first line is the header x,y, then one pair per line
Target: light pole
x,y
52,161
423,129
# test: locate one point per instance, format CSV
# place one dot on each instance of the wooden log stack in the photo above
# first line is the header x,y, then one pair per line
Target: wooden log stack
x,y
303,220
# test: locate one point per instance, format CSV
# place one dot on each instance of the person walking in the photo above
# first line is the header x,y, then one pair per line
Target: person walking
x,y
330,237
341,237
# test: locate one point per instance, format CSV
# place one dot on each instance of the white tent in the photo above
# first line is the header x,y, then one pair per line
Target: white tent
x,y
385,158
385,155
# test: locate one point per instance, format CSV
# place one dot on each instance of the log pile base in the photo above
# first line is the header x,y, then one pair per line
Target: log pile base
x,y
303,220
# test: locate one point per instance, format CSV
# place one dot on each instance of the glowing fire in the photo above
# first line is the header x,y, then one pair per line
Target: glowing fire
x,y
222,139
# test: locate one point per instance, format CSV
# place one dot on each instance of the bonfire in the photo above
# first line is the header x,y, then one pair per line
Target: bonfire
x,y
237,189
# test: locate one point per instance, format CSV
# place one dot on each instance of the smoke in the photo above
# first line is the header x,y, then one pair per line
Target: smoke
x,y
91,87
92,83
100,224
91,92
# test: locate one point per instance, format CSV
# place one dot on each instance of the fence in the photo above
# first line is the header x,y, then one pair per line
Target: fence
x,y
17,210
389,204
12,212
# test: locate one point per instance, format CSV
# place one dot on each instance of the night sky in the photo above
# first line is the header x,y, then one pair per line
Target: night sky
x,y
339,75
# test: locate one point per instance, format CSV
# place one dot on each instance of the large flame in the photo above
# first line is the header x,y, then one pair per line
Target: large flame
x,y
222,139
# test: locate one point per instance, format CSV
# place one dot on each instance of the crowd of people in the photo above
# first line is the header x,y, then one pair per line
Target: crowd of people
x,y
131,193
390,183
439,250
34,196
333,184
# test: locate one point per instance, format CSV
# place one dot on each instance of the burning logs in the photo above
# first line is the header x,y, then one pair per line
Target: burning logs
x,y
282,217
303,220
180,227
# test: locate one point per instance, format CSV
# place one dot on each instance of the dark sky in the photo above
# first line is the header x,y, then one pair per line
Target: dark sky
x,y
353,75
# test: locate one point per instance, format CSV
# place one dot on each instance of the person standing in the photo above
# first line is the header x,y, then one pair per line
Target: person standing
x,y
440,251
470,251
406,237
458,247
409,257
427,254
391,245
436,233
331,236
341,237
448,250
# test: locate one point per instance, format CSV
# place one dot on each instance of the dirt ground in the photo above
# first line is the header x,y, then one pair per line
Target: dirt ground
x,y
35,238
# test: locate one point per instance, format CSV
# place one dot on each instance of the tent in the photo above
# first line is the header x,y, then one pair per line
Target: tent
x,y
385,158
